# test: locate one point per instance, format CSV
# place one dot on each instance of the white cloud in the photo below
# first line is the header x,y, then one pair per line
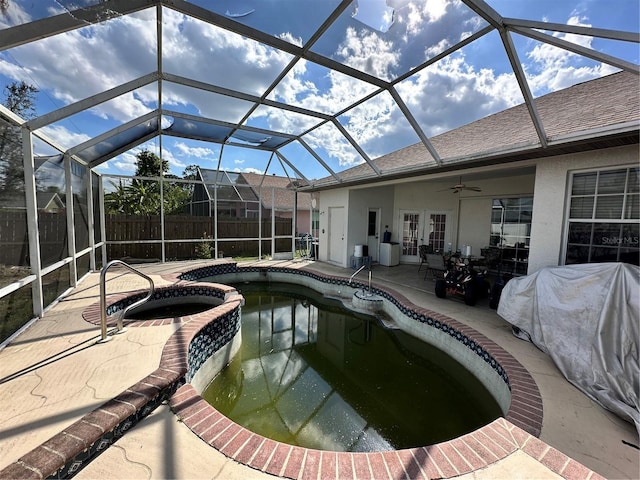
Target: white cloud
x,y
368,51
551,68
448,94
14,15
419,16
302,87
175,164
372,123
198,152
125,163
90,60
288,37
11,70
329,139
209,105
201,51
64,137
248,170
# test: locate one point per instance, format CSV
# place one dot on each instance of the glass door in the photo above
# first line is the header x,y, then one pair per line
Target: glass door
x,y
411,234
439,238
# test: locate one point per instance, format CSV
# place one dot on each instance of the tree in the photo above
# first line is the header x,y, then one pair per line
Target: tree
x,y
142,197
190,172
148,164
20,99
116,201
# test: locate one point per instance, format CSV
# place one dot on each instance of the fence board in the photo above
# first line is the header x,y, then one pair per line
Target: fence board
x,y
126,228
14,244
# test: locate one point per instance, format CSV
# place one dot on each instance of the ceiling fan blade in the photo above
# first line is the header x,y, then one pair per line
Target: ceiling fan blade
x,y
459,187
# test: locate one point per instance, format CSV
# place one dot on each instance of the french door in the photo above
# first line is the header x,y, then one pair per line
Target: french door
x,y
411,234
423,227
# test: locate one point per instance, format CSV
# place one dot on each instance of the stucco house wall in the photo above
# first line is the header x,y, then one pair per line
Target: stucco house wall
x,y
360,201
551,197
471,211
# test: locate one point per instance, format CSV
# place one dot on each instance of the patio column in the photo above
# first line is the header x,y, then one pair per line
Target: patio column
x,y
103,221
32,221
91,220
71,237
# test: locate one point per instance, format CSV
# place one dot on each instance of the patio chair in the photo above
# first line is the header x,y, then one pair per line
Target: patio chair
x,y
422,251
435,264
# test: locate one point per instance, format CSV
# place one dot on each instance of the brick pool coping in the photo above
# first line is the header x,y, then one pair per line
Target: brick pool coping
x,y
92,315
66,453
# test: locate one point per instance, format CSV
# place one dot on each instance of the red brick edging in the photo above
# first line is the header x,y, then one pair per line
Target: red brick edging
x,y
470,452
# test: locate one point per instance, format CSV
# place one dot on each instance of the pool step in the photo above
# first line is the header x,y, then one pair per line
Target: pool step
x,y
387,321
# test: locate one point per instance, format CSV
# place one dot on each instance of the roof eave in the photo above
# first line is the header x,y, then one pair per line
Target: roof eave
x,y
596,139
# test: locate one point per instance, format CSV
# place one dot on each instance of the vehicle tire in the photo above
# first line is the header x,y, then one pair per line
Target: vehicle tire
x,y
486,289
441,289
469,295
495,296
493,303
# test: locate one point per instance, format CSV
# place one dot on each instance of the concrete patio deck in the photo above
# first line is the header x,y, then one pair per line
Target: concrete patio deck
x,y
54,373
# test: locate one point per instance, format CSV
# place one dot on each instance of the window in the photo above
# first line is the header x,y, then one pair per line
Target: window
x,y
511,222
603,216
437,225
371,230
410,223
510,234
315,223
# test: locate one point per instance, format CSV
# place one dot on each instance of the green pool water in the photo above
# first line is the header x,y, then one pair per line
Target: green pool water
x,y
312,374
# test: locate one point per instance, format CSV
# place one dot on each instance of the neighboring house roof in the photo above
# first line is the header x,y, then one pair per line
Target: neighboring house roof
x,y
283,194
247,185
49,201
251,182
577,118
232,186
44,201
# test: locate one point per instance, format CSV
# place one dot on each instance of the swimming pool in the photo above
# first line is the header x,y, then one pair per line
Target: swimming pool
x,y
199,338
311,373
510,384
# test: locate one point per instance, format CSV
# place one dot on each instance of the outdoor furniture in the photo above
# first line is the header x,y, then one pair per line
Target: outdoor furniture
x,y
357,262
436,265
422,251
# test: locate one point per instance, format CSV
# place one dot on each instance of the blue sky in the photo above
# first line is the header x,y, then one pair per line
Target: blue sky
x,y
380,38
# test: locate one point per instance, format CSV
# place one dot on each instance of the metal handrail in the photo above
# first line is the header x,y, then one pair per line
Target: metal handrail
x,y
103,298
358,271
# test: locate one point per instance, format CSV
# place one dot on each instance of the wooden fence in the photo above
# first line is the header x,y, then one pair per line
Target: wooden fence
x,y
14,239
126,228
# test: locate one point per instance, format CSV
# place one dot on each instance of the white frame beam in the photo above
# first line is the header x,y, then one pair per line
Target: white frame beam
x,y
32,222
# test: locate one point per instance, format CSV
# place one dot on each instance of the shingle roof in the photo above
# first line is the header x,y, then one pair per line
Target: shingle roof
x,y
283,195
588,106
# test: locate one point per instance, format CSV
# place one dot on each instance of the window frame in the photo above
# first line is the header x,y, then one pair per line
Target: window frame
x,y
620,245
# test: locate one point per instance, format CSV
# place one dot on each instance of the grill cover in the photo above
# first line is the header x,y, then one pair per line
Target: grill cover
x,y
586,317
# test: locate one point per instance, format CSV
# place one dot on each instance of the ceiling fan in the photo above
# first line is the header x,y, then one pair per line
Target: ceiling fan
x,y
461,186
